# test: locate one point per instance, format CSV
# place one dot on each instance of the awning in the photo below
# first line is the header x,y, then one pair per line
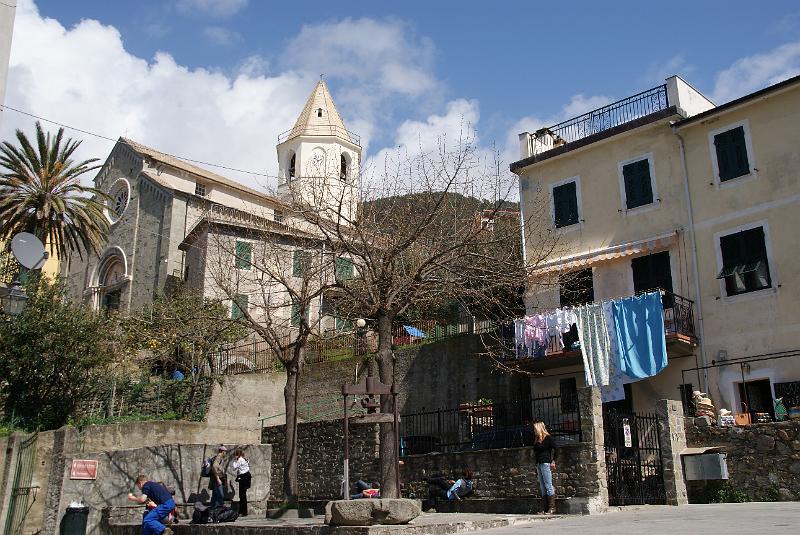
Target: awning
x,y
569,263
413,331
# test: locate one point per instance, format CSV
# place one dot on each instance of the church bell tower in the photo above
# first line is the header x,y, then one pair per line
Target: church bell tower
x,y
319,159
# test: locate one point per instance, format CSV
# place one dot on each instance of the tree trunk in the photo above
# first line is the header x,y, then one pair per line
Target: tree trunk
x,y
293,371
385,360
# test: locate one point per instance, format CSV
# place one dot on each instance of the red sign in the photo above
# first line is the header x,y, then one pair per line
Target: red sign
x,y
83,469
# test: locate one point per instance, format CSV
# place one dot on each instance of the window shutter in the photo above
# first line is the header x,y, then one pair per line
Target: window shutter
x,y
301,262
731,151
295,315
638,187
344,268
565,204
239,304
244,254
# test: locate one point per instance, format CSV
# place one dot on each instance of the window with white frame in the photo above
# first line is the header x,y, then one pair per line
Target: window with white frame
x,y
731,152
637,182
565,197
745,263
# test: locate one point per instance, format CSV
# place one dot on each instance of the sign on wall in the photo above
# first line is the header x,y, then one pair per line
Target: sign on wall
x,y
626,430
83,469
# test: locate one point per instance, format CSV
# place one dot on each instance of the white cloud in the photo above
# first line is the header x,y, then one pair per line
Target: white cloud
x,y
214,8
84,77
755,72
221,36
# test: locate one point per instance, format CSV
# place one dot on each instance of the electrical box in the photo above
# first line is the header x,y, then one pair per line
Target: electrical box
x,y
705,466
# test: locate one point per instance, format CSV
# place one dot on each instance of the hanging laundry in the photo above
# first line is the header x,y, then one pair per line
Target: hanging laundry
x,y
535,330
615,390
593,336
559,321
639,325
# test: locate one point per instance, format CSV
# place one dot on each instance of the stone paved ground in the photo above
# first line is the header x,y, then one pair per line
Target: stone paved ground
x,y
714,519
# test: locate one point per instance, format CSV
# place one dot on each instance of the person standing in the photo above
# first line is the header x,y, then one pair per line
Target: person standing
x,y
546,452
243,477
152,524
218,478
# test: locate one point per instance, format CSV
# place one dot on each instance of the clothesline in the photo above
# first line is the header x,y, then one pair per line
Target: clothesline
x,y
622,339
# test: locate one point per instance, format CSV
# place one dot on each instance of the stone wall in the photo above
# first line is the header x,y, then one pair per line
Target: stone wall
x,y
321,457
511,473
144,446
763,459
501,473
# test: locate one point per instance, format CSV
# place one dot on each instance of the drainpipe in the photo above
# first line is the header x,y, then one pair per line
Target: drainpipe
x,y
693,245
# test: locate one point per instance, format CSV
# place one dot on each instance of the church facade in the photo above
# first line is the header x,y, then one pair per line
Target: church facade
x,y
165,213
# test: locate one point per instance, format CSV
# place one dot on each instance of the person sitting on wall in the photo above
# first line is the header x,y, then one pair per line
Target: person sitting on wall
x,y
449,489
366,490
158,494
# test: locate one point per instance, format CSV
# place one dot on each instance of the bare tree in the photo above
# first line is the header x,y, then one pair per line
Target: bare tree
x,y
431,228
275,277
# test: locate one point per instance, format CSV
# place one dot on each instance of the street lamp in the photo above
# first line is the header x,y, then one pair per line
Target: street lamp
x,y
361,332
14,298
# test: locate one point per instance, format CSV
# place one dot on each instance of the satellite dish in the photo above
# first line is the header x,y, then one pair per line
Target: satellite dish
x,y
28,250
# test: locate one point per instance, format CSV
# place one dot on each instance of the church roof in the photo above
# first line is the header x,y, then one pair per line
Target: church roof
x,y
320,118
177,163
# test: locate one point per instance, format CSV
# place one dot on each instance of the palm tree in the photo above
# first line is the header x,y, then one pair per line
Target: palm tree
x,y
41,193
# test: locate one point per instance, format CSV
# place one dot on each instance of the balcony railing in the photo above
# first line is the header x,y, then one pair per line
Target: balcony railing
x,y
596,121
678,326
321,130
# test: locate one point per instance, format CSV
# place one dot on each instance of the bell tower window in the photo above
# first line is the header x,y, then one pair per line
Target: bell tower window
x,y
319,112
292,161
343,168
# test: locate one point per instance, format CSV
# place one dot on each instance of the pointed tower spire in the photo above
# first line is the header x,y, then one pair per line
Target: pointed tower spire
x,y
320,117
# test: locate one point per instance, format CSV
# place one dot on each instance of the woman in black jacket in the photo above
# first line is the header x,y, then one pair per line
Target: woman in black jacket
x,y
546,452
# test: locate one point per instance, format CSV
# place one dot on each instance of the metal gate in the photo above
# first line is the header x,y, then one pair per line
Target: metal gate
x,y
22,494
633,459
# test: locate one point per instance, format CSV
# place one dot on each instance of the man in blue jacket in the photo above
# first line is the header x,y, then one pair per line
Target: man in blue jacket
x,y
162,498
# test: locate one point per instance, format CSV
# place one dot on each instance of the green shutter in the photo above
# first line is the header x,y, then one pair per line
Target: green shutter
x,y
296,313
344,324
239,304
638,186
565,204
301,262
731,150
344,268
244,254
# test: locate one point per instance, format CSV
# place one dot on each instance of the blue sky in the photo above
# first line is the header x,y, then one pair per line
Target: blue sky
x,y
217,80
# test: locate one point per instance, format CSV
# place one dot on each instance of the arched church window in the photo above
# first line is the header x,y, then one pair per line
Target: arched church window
x,y
292,161
343,168
112,275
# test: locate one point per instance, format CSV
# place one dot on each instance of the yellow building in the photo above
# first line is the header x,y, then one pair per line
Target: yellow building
x,y
666,190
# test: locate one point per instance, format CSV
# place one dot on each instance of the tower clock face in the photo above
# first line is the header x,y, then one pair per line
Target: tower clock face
x,y
119,200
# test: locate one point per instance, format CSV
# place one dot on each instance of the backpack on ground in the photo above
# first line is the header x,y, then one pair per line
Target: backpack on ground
x,y
222,514
205,470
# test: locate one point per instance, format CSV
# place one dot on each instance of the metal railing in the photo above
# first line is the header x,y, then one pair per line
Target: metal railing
x,y
256,356
678,320
596,121
321,130
489,425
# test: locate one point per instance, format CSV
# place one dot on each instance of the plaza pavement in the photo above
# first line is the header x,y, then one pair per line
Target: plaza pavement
x,y
759,518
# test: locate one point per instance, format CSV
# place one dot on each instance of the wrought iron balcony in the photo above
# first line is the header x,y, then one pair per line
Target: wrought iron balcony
x,y
564,350
596,121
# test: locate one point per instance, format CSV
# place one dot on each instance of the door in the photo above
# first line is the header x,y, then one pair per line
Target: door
x,y
651,272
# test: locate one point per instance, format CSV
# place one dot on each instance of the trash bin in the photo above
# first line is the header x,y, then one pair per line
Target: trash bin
x,y
74,521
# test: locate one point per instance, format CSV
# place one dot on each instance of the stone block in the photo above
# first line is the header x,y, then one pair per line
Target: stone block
x,y
765,443
370,512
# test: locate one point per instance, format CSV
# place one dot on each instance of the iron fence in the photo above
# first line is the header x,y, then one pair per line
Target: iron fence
x,y
256,356
605,118
489,425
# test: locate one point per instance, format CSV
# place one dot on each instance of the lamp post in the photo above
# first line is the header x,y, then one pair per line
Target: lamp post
x,y
14,298
361,333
